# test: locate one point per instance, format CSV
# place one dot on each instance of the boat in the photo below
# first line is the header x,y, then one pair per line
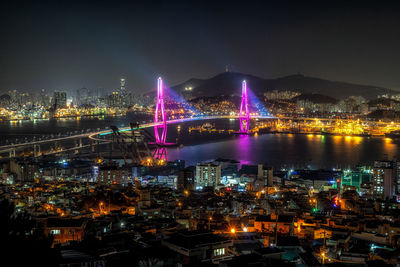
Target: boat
x,y
364,134
207,125
393,134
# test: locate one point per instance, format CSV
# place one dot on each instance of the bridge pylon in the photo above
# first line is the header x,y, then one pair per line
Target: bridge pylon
x,y
160,110
244,114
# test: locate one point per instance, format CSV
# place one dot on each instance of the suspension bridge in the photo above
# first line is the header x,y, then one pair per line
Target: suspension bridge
x,y
160,126
160,121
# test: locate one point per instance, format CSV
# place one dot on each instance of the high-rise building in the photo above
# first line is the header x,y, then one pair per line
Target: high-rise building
x,y
82,96
137,171
112,175
207,175
396,166
60,99
384,182
115,100
44,99
122,88
185,179
357,177
265,174
23,170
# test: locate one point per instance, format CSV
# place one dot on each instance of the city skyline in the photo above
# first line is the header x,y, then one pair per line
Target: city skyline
x,y
69,45
283,150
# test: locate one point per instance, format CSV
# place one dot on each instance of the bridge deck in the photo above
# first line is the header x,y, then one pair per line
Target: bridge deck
x,y
93,135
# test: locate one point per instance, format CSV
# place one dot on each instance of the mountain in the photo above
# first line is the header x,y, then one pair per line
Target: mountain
x,y
229,83
317,98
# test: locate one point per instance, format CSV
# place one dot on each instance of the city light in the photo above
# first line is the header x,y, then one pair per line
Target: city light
x,y
236,158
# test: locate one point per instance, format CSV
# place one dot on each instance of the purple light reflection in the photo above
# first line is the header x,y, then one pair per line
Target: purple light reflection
x,y
243,149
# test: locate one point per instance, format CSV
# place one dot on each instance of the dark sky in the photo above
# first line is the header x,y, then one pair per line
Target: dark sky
x,y
69,44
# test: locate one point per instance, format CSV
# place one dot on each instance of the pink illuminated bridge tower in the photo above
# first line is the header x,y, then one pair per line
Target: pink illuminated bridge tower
x,y
160,110
244,115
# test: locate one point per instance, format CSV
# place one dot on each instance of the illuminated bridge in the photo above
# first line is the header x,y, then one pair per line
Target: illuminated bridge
x,y
95,136
159,124
127,137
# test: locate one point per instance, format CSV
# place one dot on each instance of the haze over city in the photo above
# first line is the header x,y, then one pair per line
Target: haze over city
x,y
72,44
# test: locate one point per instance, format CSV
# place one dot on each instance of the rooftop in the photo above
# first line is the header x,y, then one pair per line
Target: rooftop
x,y
281,218
55,222
195,239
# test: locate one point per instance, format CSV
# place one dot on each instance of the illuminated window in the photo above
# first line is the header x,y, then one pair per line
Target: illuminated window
x,y
55,232
219,251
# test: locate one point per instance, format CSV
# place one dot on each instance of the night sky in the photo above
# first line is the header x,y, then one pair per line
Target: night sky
x,y
66,44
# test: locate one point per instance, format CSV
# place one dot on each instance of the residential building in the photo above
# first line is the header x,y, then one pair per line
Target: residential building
x,y
196,247
207,175
384,179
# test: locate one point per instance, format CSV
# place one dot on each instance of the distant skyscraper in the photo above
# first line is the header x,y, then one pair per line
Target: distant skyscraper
x,y
82,96
44,98
122,88
125,98
115,100
60,99
122,81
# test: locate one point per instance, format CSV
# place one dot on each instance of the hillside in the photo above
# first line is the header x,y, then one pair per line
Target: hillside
x,y
229,83
317,98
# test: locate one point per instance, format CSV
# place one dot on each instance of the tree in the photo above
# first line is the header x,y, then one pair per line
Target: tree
x,y
22,242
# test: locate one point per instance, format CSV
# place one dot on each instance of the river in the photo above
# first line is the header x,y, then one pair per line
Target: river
x,y
289,150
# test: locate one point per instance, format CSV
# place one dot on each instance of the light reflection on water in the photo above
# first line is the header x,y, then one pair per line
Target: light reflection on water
x,y
316,151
